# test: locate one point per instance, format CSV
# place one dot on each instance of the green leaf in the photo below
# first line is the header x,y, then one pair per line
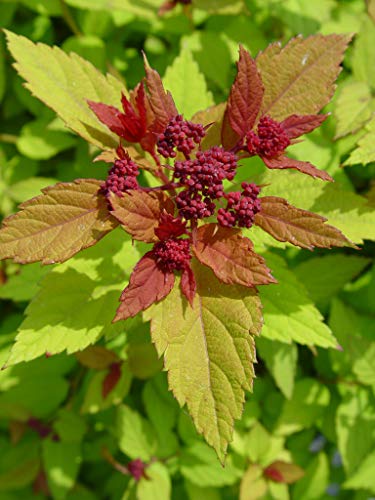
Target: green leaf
x,y
299,78
363,478
220,6
2,70
19,465
355,427
61,462
363,52
136,437
281,361
210,357
353,108
257,443
199,464
356,334
147,9
65,83
54,226
23,285
315,481
162,410
39,142
324,276
365,151
45,7
253,485
289,314
187,85
31,395
308,403
94,279
157,486
94,401
89,47
28,188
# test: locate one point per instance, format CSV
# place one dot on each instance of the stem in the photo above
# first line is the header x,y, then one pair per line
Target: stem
x,y
116,465
69,19
9,138
169,186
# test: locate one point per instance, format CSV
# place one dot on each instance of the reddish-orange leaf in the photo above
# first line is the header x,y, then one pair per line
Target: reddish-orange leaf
x,y
294,225
139,212
297,125
244,100
299,78
148,284
111,379
305,167
188,284
161,102
230,256
282,472
54,226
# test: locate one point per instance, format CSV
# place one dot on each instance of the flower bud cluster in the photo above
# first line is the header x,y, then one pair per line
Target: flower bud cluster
x,y
122,175
241,207
181,135
270,141
172,254
203,179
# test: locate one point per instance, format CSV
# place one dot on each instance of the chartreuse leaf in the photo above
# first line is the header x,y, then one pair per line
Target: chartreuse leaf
x,y
308,403
365,151
24,284
324,276
52,227
187,85
314,483
65,83
157,485
281,361
253,485
356,335
39,142
77,301
136,437
363,52
199,465
210,356
299,78
353,108
289,314
220,6
363,477
147,9
355,427
162,410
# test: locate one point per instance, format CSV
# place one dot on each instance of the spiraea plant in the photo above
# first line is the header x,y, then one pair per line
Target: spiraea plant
x,y
184,188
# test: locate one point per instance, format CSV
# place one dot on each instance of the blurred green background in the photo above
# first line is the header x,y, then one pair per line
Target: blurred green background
x,y
311,407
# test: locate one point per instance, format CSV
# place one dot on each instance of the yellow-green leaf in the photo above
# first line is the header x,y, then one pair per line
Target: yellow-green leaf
x,y
210,355
299,78
65,83
54,226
